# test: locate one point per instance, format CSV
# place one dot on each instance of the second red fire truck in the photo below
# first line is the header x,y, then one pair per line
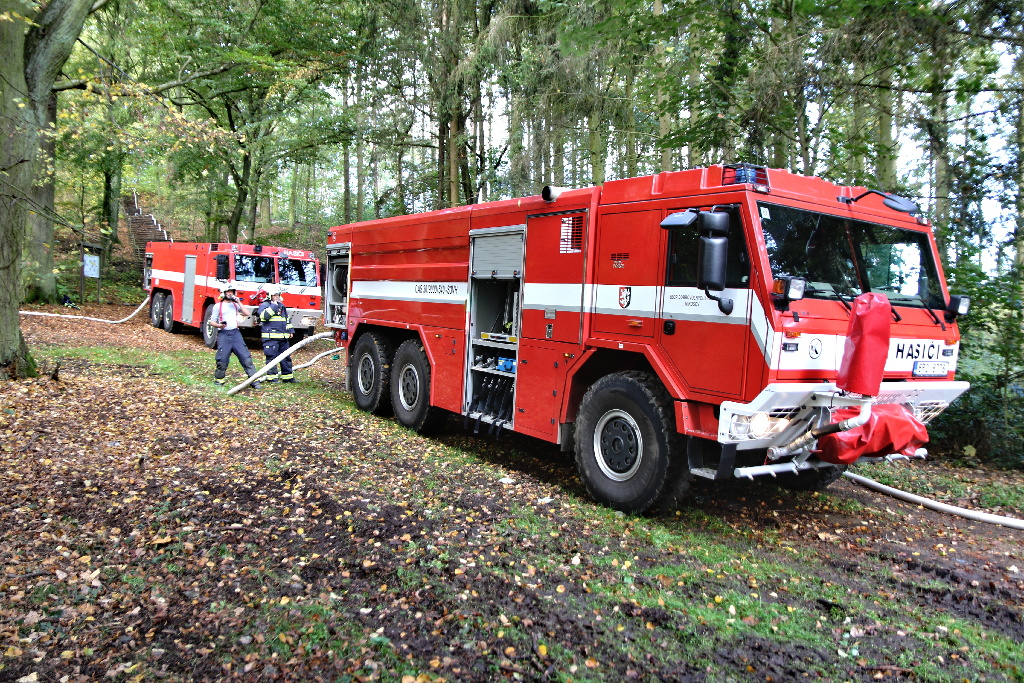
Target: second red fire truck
x,y
730,321
183,280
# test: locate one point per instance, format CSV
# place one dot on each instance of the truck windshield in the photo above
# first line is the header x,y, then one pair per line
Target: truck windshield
x,y
297,272
841,258
254,268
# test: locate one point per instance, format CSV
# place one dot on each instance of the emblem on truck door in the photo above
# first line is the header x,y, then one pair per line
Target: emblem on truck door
x,y
625,294
814,348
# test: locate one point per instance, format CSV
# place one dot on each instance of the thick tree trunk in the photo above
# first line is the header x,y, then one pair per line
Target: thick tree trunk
x,y
39,282
32,54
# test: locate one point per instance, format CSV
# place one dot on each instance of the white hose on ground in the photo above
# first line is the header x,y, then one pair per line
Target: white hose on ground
x,y
277,361
85,317
1011,522
315,359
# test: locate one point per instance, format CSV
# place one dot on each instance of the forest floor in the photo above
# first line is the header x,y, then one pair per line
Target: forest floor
x,y
155,528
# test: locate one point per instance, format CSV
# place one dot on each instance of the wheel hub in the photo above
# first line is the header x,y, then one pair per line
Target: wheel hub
x,y
364,377
618,445
409,387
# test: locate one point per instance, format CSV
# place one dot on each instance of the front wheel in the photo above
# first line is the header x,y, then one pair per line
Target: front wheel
x,y
811,480
370,373
627,449
156,309
209,331
410,386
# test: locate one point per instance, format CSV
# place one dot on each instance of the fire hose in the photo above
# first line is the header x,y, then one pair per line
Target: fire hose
x,y
85,317
277,361
241,386
1010,522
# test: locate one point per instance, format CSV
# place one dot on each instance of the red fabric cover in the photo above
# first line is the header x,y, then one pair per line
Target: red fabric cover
x,y
867,345
890,429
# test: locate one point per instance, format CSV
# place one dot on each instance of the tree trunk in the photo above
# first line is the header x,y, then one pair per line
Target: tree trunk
x,y
937,129
886,159
596,147
241,194
293,196
112,194
40,284
453,160
347,183
32,53
265,208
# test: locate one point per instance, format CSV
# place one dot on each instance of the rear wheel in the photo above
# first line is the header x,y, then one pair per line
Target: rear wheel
x,y
156,310
300,334
169,323
811,480
627,449
370,372
209,331
410,386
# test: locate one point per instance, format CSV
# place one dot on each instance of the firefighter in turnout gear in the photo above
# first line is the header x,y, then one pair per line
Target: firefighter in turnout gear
x,y
277,333
225,317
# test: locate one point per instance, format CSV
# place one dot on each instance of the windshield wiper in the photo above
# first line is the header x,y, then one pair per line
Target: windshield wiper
x,y
834,296
924,304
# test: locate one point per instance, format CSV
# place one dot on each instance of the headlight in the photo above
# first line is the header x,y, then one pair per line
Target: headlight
x,y
740,425
760,425
757,426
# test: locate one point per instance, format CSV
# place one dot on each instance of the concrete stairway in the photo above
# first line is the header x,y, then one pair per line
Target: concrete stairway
x,y
143,228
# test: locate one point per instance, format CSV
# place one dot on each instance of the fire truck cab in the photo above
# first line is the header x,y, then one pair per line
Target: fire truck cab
x,y
183,279
697,323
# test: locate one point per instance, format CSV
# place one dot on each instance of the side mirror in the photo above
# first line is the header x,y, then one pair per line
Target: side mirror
x,y
711,262
682,219
715,224
958,305
712,257
223,272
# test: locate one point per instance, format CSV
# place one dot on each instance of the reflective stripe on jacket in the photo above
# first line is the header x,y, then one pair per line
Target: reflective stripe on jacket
x,y
275,320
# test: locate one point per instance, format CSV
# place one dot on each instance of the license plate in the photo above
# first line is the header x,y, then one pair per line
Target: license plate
x,y
930,368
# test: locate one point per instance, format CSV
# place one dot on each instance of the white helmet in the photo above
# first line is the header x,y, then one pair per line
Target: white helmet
x,y
273,290
227,286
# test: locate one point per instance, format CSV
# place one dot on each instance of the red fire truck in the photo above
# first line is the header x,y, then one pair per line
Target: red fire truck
x,y
702,323
183,278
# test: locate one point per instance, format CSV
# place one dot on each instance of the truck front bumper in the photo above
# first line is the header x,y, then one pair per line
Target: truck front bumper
x,y
782,412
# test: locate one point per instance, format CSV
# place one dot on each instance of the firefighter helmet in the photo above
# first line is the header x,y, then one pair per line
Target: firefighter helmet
x,y
273,290
226,287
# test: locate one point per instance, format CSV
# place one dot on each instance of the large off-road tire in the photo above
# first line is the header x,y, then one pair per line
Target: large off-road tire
x,y
370,369
410,387
209,331
156,310
170,324
627,448
300,334
811,480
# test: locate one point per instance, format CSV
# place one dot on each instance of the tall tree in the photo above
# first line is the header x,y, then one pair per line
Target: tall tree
x,y
35,42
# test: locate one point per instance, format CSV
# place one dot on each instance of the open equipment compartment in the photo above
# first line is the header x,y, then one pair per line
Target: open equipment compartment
x,y
495,297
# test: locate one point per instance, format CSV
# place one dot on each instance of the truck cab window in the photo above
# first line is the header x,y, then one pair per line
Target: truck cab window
x,y
840,257
297,272
682,255
254,268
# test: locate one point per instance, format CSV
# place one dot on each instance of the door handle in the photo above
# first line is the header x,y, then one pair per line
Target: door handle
x,y
669,327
